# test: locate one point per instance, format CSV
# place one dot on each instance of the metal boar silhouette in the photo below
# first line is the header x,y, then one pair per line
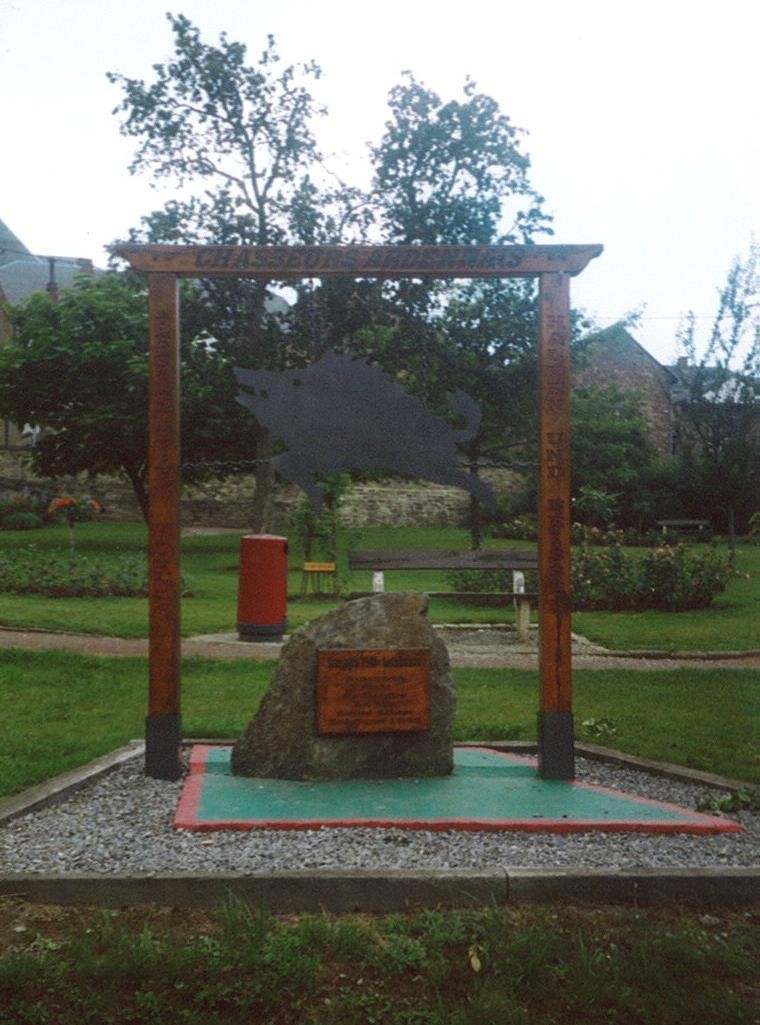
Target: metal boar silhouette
x,y
343,414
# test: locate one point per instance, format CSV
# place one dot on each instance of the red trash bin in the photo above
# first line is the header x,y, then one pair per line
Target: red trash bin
x,y
262,587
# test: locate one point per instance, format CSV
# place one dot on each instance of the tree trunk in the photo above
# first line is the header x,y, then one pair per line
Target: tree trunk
x,y
261,511
731,532
476,525
137,480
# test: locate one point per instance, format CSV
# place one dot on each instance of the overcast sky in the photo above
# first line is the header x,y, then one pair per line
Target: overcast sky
x,y
642,119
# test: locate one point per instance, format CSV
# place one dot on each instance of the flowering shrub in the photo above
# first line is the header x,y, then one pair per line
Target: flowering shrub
x,y
669,579
605,537
59,575
610,579
525,528
604,580
521,528
73,510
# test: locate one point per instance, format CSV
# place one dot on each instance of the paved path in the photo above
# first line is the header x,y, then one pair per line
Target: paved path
x,y
467,647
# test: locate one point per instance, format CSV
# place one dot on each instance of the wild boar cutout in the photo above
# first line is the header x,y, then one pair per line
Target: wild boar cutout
x,y
346,414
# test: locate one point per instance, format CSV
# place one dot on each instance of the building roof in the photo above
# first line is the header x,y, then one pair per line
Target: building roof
x,y
616,338
22,273
711,383
11,247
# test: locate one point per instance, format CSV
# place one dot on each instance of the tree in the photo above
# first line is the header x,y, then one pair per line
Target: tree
x,y
78,367
611,455
448,173
718,401
444,172
454,173
244,133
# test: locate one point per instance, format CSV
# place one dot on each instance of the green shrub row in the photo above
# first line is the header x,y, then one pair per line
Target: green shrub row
x,y
21,519
671,579
68,575
22,512
487,580
525,528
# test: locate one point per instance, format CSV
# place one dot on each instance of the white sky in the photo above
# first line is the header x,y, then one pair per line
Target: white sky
x,y
643,119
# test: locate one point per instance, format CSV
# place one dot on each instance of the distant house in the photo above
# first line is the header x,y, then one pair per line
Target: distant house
x,y
23,273
614,357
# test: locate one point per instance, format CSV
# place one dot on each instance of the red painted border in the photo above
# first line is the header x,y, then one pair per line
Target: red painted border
x,y
464,826
186,816
696,823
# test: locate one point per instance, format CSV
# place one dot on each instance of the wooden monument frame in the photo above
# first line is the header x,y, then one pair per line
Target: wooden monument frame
x,y
552,265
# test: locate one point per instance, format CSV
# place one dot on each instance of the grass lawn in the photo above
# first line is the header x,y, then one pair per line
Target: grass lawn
x,y
543,965
538,965
730,624
210,569
61,709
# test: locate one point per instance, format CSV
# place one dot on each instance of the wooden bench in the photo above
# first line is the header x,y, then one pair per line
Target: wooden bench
x,y
378,561
698,525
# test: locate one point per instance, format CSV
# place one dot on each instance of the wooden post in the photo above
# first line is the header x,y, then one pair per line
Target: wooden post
x,y
162,726
555,717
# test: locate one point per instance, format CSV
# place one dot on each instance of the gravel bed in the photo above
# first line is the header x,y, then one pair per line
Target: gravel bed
x,y
122,822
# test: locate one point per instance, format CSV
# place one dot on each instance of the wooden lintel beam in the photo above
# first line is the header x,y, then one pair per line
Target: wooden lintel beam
x,y
285,262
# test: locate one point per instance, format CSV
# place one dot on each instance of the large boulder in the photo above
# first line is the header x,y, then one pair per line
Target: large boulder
x,y
283,740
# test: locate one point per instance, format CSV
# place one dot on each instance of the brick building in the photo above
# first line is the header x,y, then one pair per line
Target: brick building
x,y
613,357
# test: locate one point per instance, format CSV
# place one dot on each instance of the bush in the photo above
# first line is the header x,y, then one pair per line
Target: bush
x,y
73,510
320,531
59,575
597,537
21,519
479,580
521,528
668,579
22,503
493,580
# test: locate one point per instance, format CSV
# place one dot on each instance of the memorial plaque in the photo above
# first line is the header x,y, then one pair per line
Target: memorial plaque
x,y
373,691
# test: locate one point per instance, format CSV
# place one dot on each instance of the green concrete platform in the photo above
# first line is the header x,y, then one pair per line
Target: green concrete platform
x,y
488,790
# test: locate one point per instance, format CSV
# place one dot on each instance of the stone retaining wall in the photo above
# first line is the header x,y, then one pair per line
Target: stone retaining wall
x,y
227,502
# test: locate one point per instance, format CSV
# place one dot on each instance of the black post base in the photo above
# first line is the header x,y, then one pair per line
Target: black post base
x,y
262,631
556,745
163,736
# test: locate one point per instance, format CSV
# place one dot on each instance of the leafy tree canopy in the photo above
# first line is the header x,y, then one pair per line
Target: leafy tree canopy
x,y
719,399
209,117
78,367
448,173
239,140
611,452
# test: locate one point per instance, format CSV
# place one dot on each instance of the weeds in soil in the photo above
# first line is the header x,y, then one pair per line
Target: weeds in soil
x,y
539,965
